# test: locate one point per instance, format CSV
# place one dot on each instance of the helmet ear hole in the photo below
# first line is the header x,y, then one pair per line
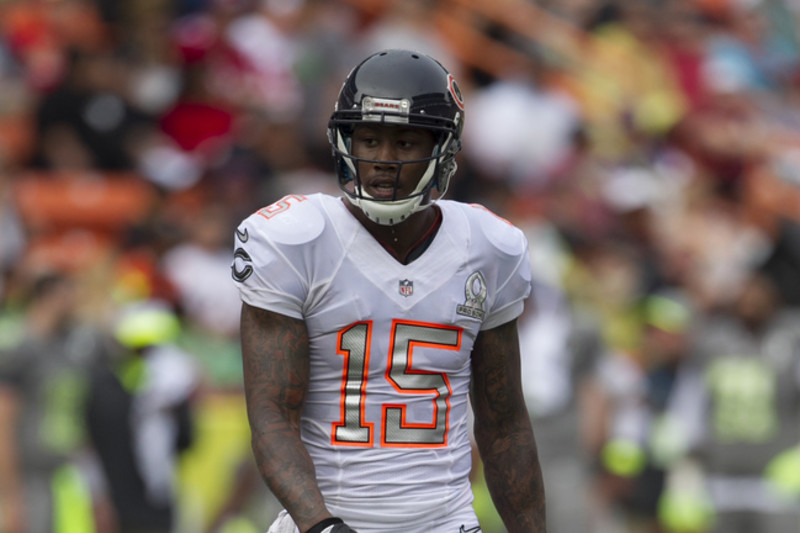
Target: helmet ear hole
x,y
344,171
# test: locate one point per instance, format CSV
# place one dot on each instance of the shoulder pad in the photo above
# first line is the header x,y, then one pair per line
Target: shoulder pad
x,y
500,232
294,219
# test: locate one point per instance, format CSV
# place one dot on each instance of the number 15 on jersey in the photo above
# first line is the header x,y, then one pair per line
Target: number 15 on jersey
x,y
354,344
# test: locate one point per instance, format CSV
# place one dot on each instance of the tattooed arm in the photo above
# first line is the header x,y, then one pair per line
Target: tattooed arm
x,y
503,431
276,365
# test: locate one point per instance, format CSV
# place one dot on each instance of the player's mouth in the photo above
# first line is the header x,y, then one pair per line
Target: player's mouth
x,y
382,189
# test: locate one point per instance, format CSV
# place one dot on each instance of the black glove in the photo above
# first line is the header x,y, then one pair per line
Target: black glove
x,y
342,528
331,525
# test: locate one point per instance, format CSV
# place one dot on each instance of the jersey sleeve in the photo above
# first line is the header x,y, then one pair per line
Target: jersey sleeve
x,y
268,266
508,247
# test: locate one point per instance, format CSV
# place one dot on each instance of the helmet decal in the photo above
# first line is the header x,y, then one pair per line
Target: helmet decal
x,y
385,109
455,91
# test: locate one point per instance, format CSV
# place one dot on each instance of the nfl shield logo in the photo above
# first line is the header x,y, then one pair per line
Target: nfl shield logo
x,y
406,287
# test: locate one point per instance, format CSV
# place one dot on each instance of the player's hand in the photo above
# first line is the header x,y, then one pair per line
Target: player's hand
x,y
331,525
340,528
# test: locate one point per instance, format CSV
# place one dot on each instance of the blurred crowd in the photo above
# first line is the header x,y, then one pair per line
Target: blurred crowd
x,y
650,149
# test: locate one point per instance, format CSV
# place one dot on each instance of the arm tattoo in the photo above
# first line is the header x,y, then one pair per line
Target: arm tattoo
x,y
276,365
503,431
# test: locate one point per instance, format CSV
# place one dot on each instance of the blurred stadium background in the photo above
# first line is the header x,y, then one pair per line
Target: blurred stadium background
x,y
650,149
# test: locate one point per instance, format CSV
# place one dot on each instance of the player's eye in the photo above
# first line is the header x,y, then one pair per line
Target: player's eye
x,y
406,144
365,141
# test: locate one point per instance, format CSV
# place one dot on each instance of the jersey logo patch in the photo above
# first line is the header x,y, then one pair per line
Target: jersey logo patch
x,y
241,267
406,287
475,292
243,235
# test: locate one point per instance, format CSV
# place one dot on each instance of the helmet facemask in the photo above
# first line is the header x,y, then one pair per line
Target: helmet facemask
x,y
441,166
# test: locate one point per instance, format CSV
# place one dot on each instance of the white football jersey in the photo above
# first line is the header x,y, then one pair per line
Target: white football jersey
x,y
386,417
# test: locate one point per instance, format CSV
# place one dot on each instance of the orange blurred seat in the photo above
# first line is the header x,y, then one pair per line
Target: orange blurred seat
x,y
70,251
16,137
98,202
74,219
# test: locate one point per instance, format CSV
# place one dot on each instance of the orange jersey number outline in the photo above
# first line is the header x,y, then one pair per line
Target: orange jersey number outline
x,y
281,205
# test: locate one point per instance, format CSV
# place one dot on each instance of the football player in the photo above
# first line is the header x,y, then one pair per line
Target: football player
x,y
375,325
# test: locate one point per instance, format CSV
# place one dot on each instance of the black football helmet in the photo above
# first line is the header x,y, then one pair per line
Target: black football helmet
x,y
398,87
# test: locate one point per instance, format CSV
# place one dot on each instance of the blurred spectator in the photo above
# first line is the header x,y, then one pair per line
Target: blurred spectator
x,y
561,354
139,417
522,127
198,267
44,450
86,122
623,78
659,152
192,133
750,418
41,35
646,438
195,266
12,239
406,24
328,44
620,455
683,36
783,262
